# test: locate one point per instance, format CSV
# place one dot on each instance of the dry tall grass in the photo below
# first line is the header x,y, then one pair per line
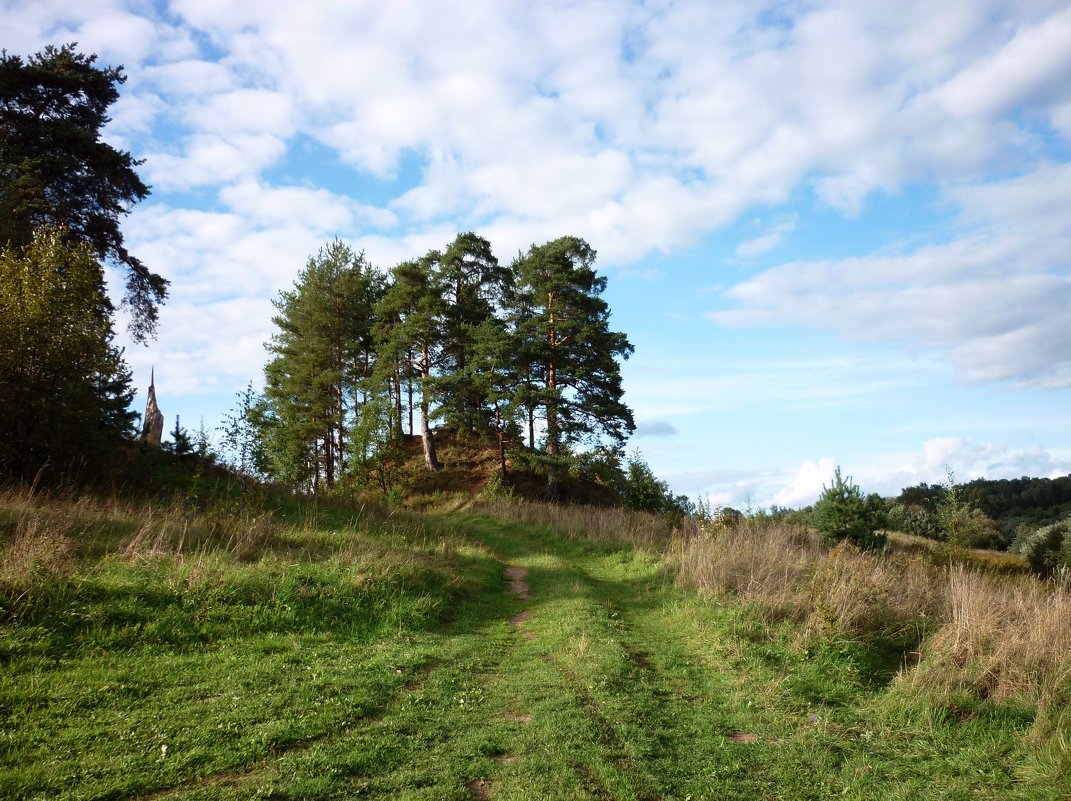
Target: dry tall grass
x,y
787,573
603,524
48,534
992,635
999,637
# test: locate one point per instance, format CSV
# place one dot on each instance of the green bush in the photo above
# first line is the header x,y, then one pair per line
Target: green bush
x,y
913,519
842,513
1045,548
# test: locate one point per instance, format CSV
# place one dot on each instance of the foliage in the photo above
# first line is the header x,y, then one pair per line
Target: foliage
x,y
1046,548
962,525
243,443
842,513
64,389
473,287
1008,502
914,519
180,443
644,491
321,361
56,171
454,337
565,333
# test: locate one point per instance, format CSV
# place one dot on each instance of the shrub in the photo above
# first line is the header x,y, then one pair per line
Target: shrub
x,y
1045,548
915,520
842,513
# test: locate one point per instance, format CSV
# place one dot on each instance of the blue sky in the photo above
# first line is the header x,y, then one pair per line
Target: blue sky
x,y
837,233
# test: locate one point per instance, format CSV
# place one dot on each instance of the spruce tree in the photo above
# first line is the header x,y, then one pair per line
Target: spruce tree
x,y
64,389
57,171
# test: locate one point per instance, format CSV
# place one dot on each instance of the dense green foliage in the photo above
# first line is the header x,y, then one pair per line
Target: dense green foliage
x,y
842,513
64,389
1046,548
451,337
1009,503
56,171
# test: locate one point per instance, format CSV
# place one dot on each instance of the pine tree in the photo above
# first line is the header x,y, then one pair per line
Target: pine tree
x,y
414,309
474,287
320,356
565,331
57,171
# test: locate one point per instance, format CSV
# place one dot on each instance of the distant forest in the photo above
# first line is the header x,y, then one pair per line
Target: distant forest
x,y
1009,503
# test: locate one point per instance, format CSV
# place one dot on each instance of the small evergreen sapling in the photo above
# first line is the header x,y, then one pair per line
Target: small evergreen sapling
x,y
842,513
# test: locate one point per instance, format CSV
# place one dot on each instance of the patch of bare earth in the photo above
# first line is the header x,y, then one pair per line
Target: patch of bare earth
x,y
479,788
521,618
517,584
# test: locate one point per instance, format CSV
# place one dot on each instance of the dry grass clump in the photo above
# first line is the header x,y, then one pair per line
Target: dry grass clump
x,y
787,572
51,532
989,634
1000,638
603,524
40,544
768,565
859,593
176,529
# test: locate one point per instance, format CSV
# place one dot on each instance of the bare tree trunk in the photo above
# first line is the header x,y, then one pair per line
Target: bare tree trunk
x,y
409,389
430,459
501,440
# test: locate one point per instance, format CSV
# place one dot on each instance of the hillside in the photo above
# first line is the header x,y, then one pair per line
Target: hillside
x,y
512,651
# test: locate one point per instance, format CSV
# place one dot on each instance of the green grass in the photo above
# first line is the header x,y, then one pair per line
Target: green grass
x,y
386,659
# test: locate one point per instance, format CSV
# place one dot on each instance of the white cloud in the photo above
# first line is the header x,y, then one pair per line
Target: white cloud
x,y
318,209
806,485
995,300
1031,68
211,160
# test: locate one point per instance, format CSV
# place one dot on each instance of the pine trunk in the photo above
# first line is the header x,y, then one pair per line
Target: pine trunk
x,y
430,460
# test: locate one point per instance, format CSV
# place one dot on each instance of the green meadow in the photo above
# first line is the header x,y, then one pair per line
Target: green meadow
x,y
503,652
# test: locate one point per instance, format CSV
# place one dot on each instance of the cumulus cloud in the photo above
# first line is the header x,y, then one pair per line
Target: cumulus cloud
x,y
994,299
620,123
806,485
642,127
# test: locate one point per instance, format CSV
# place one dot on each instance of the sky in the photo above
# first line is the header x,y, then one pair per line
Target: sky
x,y
837,233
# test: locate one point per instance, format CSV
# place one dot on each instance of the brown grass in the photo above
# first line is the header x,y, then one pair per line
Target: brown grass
x,y
603,524
984,632
52,533
999,637
787,573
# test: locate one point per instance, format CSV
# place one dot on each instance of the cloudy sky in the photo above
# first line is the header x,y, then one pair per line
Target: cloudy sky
x,y
835,232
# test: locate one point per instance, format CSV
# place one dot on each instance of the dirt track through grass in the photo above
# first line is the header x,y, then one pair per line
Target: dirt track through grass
x,y
580,673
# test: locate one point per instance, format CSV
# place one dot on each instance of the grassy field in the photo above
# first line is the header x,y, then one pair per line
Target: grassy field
x,y
513,653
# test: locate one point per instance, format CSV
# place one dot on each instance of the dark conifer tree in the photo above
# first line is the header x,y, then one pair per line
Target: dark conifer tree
x,y
566,332
413,338
474,287
56,170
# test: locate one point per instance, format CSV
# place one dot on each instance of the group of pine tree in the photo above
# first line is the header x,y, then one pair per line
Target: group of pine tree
x,y
451,340
522,355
